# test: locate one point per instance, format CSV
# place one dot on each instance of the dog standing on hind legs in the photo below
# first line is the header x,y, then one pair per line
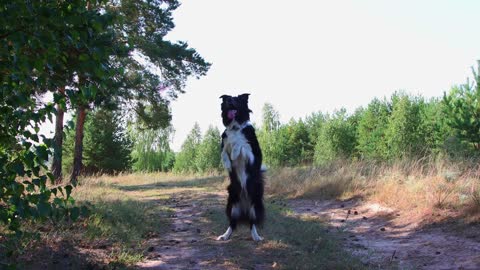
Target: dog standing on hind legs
x,y
242,158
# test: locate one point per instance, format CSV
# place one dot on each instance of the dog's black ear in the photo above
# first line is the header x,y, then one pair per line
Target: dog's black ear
x,y
244,97
224,96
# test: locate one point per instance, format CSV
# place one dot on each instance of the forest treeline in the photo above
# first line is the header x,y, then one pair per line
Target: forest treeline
x,y
388,129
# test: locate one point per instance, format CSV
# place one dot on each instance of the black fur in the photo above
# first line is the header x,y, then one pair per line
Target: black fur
x,y
255,178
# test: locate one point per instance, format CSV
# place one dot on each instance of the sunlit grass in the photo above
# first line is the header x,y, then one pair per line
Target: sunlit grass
x,y
409,185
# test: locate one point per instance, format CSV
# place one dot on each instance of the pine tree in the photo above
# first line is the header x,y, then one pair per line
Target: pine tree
x,y
463,110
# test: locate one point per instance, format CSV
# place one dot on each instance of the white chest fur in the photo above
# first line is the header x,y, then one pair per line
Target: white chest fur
x,y
237,152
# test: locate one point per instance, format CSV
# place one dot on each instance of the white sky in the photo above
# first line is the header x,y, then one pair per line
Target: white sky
x,y
305,56
313,55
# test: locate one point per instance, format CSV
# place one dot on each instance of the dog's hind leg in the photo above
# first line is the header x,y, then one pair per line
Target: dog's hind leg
x,y
255,235
253,228
226,235
233,213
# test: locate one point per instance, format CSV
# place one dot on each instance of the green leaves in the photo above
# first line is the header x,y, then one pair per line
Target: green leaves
x,y
42,152
34,59
462,105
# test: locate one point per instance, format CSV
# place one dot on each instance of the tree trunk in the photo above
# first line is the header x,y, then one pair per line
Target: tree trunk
x,y
77,158
58,142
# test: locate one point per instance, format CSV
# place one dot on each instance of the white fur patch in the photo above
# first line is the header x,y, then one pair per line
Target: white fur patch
x,y
237,151
255,235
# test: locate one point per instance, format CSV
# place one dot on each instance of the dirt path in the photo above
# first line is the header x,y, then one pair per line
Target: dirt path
x,y
190,243
183,246
382,238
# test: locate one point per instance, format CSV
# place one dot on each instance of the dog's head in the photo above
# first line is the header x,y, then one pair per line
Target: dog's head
x,y
235,108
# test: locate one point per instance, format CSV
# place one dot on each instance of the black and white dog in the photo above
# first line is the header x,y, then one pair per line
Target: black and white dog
x,y
242,157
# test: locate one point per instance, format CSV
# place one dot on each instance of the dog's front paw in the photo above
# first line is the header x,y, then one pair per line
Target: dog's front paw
x,y
226,162
236,150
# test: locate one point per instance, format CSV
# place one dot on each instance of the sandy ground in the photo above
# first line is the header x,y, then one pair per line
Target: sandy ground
x,y
383,239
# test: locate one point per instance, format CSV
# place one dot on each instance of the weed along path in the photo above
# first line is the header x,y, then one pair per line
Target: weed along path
x,y
384,239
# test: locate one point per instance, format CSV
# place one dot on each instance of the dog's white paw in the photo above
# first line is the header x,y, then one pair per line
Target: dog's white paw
x,y
255,235
228,165
226,161
226,235
263,168
223,238
257,238
236,150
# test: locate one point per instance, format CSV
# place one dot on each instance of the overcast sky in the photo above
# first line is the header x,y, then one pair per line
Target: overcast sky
x,y
305,56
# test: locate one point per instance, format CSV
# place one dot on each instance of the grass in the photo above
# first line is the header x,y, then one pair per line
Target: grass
x,y
414,186
125,211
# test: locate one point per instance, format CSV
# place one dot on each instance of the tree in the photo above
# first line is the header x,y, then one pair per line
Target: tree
x,y
463,110
151,149
30,49
371,130
403,135
271,118
151,68
336,139
58,140
313,123
185,159
269,136
107,146
298,143
434,128
208,156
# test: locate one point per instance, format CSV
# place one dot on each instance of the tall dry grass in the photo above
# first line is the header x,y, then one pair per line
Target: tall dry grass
x,y
406,185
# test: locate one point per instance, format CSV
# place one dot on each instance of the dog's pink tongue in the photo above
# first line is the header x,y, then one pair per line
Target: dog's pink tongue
x,y
232,114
